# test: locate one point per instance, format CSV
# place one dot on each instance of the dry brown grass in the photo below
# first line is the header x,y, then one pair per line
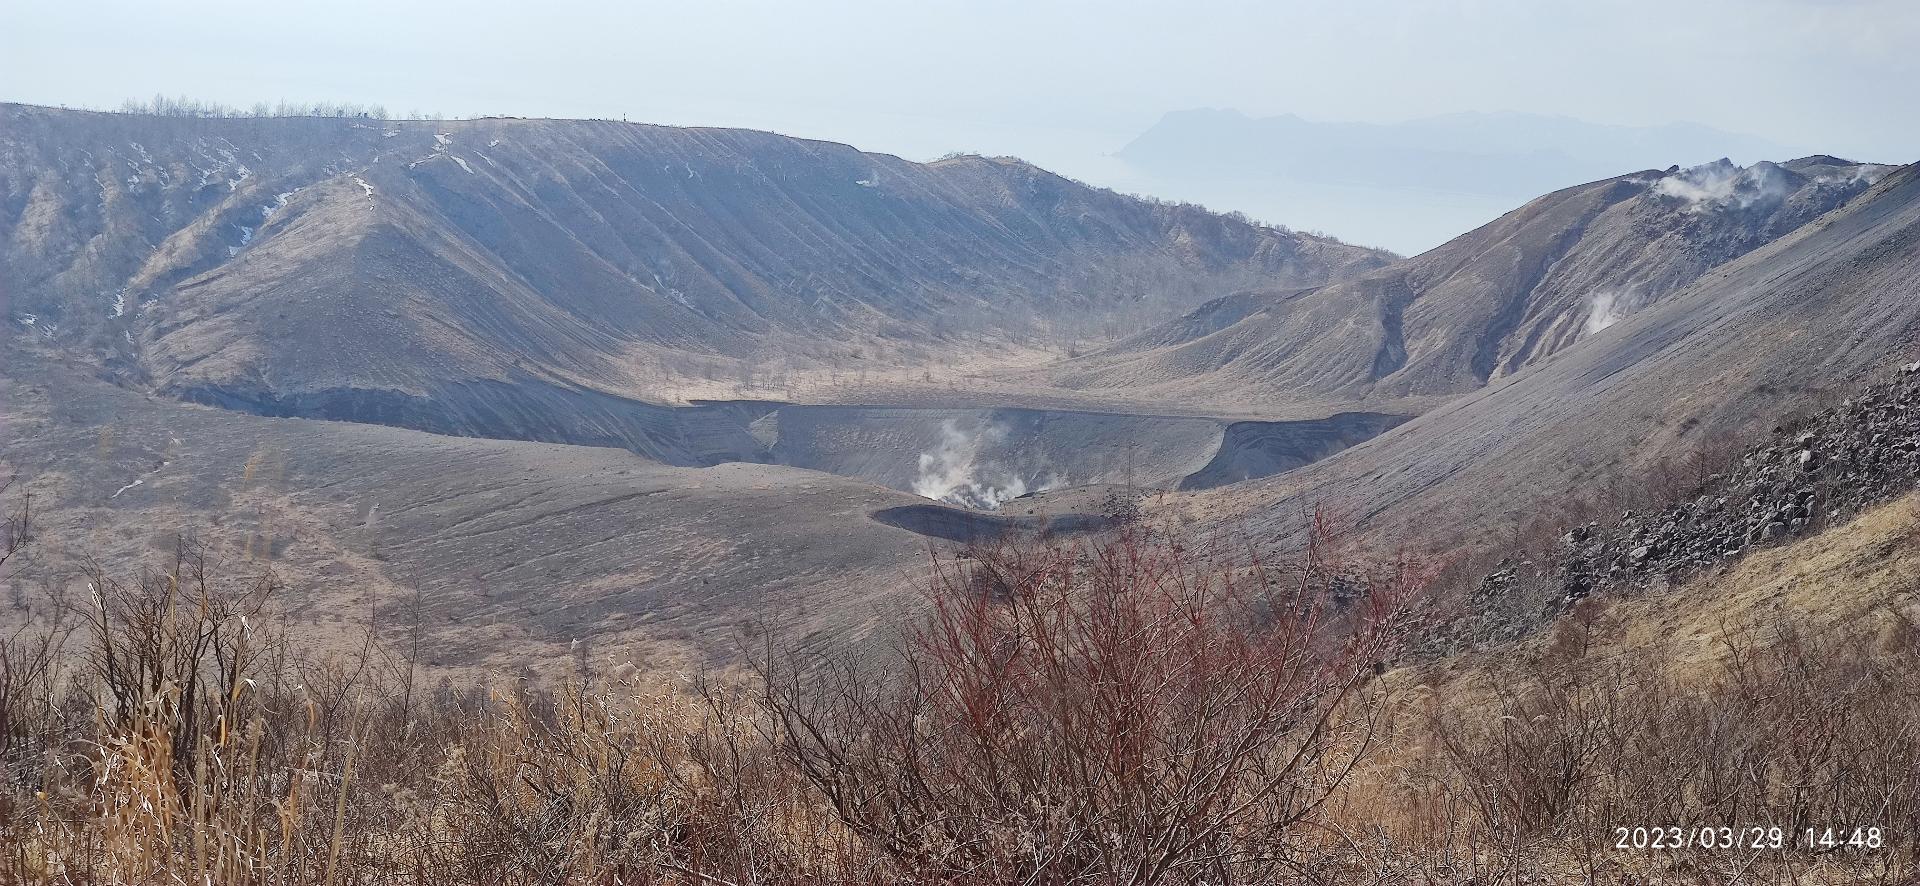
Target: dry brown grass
x,y
1136,710
1779,693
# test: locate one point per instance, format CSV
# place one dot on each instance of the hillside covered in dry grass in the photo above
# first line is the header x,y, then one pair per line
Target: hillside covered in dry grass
x,y
1140,709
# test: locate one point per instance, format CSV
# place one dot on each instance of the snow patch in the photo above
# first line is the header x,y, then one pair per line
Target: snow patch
x,y
279,203
119,304
363,183
661,286
463,164
139,482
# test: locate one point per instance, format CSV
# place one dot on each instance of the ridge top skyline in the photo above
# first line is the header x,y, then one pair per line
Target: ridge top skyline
x,y
1065,85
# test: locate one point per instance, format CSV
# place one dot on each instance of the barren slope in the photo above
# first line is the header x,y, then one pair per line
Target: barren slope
x,y
1818,311
518,548
284,263
1486,305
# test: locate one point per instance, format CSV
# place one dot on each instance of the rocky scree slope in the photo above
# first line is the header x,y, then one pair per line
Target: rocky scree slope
x,y
1486,305
1819,473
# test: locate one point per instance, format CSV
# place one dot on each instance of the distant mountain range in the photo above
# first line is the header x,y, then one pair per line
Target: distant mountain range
x,y
1408,185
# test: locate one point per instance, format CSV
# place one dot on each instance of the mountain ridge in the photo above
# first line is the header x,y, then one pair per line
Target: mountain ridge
x,y
1810,315
1486,305
589,253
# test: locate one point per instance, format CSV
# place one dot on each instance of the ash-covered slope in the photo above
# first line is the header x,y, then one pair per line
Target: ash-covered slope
x,y
283,261
516,548
1486,305
1813,314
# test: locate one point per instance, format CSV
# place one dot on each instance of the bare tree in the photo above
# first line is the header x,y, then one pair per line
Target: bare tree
x,y
176,637
1130,710
18,532
28,653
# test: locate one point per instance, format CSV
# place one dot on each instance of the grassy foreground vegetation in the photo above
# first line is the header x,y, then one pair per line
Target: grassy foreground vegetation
x,y
1138,708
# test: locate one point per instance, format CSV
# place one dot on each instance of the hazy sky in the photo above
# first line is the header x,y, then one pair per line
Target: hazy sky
x,y
1053,82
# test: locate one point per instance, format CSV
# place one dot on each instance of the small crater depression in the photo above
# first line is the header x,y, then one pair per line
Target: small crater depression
x,y
969,461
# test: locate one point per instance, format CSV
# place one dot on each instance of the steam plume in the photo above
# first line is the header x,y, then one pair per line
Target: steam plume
x,y
1722,184
952,471
1605,308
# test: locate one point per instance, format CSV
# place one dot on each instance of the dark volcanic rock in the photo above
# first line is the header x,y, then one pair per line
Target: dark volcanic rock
x,y
1815,474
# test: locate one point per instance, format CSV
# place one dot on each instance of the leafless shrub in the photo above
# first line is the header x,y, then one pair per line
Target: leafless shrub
x,y
175,637
182,106
17,534
1796,728
1132,710
1136,708
28,656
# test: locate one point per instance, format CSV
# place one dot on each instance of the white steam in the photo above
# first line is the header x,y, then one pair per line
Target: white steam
x,y
1722,184
1868,174
1606,307
953,471
1600,311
